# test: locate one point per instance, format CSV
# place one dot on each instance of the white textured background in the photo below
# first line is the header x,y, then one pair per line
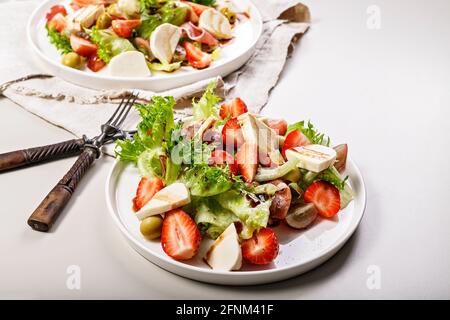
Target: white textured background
x,y
384,91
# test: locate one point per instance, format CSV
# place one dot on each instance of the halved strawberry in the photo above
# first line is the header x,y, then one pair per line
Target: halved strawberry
x,y
325,196
54,10
247,159
262,248
341,157
196,57
146,190
82,46
124,28
198,8
294,139
95,63
233,108
221,158
279,125
232,133
180,237
58,22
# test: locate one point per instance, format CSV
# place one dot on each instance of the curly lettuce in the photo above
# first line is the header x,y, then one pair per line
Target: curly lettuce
x,y
205,181
206,105
60,41
252,217
211,217
109,44
310,132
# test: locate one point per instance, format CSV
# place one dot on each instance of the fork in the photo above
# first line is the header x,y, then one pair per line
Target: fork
x,y
48,211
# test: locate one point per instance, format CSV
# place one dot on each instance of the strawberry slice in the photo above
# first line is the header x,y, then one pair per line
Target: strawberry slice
x,y
58,22
95,63
54,10
124,28
82,46
247,159
294,139
196,57
341,157
222,158
262,248
233,108
180,237
232,133
279,125
198,8
325,196
146,190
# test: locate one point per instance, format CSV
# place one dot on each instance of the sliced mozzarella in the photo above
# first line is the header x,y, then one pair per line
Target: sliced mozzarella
x,y
129,64
215,23
314,157
130,8
163,42
225,253
169,198
89,15
256,131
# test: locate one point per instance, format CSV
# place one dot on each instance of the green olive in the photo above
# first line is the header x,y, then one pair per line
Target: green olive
x,y
72,60
151,227
104,21
231,16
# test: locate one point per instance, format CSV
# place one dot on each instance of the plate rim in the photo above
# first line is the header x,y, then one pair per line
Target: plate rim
x,y
37,51
249,276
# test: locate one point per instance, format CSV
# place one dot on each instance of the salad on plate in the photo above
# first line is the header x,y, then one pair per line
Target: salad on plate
x,y
232,176
136,38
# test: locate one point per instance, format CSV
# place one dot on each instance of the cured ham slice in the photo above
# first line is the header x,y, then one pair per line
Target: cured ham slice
x,y
198,34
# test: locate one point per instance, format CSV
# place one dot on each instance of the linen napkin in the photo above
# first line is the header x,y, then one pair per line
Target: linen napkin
x,y
81,111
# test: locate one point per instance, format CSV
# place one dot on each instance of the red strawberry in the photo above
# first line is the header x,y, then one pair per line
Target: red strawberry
x,y
54,11
341,156
232,133
247,159
146,190
82,46
196,57
180,237
233,108
262,248
198,8
95,63
325,197
221,157
279,125
294,139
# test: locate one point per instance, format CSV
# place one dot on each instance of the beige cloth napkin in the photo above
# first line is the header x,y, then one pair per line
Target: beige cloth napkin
x,y
81,111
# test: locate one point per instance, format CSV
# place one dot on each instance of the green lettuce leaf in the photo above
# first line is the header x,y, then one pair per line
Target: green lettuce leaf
x,y
109,44
206,105
153,16
252,218
211,217
310,132
205,181
60,41
153,132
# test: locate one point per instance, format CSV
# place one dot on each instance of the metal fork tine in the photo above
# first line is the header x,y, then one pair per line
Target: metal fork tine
x,y
114,123
115,112
128,108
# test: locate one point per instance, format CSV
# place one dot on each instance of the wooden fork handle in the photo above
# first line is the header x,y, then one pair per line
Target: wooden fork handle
x,y
48,211
20,158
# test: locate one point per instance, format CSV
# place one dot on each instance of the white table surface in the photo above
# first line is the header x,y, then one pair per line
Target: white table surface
x,y
386,92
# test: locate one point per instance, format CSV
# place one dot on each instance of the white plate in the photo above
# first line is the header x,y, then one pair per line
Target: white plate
x,y
233,56
300,251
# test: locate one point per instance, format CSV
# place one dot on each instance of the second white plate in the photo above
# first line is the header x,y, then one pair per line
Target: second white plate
x,y
232,56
